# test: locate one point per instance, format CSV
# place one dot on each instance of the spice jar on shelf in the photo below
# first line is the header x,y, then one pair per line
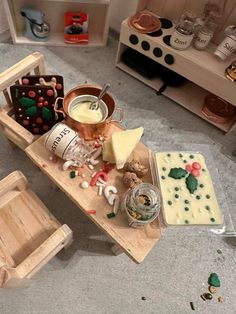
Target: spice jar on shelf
x,y
184,31
141,204
205,28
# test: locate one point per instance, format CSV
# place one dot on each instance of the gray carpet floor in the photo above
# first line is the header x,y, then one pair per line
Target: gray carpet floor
x,y
87,278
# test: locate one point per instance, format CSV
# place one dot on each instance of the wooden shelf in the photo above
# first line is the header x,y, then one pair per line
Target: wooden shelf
x,y
98,11
204,71
189,95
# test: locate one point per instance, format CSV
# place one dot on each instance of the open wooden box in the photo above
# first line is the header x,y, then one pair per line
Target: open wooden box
x,y
17,134
29,234
204,72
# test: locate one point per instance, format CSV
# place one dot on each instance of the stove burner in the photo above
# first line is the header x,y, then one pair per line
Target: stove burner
x,y
165,23
156,34
157,52
133,39
166,40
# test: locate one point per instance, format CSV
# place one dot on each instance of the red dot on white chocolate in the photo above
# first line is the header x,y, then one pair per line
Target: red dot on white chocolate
x,y
195,173
25,81
31,94
188,168
58,86
50,92
196,165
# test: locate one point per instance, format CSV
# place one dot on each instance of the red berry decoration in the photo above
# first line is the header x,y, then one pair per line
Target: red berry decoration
x,y
39,120
31,94
58,86
195,173
36,130
25,122
196,165
188,168
50,92
25,81
40,104
40,99
46,127
45,103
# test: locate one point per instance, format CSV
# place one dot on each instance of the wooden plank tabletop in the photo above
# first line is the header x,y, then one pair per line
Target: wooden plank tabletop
x,y
136,243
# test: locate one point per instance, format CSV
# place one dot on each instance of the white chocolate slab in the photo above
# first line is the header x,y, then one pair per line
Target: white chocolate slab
x,y
181,207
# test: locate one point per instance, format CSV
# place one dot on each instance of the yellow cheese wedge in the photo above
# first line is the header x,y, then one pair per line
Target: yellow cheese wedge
x,y
123,143
107,152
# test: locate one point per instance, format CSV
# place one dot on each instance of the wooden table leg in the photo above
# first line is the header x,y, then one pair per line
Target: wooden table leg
x,y
117,250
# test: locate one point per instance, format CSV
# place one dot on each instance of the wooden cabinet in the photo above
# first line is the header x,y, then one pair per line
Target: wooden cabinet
x,y
204,72
98,11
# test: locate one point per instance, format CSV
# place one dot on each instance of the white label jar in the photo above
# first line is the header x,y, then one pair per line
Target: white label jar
x,y
202,40
67,144
226,47
180,41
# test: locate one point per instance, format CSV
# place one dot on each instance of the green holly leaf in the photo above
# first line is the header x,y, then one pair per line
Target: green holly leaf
x,y
31,111
177,173
27,102
46,114
191,183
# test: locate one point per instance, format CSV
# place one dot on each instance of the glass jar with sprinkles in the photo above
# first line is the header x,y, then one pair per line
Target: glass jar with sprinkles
x,y
142,204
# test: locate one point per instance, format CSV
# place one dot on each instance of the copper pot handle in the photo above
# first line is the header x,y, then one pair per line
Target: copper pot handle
x,y
56,107
121,111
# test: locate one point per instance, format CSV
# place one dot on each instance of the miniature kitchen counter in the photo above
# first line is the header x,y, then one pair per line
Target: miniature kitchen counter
x,y
136,243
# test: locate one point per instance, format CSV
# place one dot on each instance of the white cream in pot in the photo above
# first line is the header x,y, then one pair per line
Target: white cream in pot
x,y
79,110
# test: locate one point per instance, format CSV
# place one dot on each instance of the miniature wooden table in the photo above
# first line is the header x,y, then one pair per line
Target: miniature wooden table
x,y
136,243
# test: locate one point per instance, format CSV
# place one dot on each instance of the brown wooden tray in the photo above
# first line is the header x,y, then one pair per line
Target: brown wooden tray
x,y
136,243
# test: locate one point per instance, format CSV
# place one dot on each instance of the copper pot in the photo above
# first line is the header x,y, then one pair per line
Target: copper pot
x,y
89,130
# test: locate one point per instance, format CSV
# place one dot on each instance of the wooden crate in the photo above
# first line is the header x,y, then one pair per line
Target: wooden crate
x,y
17,134
29,234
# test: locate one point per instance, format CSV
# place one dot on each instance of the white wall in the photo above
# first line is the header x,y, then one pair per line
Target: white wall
x,y
119,10
3,20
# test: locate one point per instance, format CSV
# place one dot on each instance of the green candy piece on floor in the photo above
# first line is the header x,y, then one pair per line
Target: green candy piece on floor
x,y
214,280
111,215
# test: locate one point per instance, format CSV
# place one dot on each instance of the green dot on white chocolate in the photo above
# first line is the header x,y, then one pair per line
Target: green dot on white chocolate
x,y
186,202
213,219
176,188
186,221
198,197
191,156
207,207
180,155
169,203
185,161
164,168
168,155
176,195
201,185
163,177
207,196
186,209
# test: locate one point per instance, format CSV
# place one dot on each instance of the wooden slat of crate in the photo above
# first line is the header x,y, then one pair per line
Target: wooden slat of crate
x,y
136,243
12,130
29,235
